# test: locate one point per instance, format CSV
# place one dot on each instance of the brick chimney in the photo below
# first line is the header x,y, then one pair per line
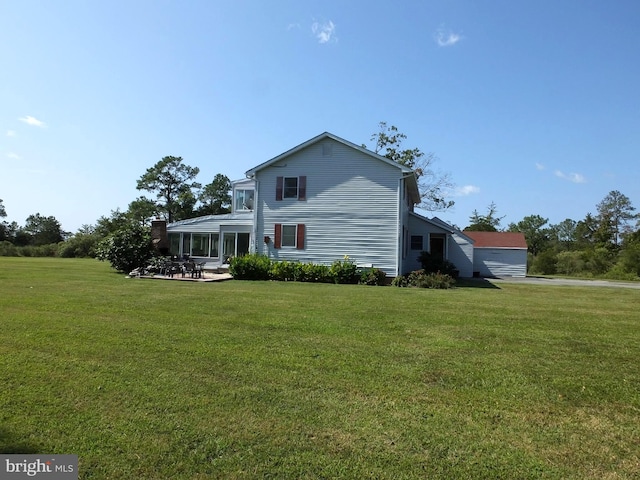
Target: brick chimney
x,y
159,236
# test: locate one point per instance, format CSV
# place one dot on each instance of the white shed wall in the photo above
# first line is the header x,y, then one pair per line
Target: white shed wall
x,y
461,254
500,262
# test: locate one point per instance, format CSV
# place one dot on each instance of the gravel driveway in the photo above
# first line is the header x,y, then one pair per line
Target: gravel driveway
x,y
566,281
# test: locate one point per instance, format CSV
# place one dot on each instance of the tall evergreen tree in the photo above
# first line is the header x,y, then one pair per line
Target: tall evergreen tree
x,y
173,182
616,211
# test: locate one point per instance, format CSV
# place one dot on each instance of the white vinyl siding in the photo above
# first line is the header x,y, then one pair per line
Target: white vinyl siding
x,y
458,247
500,262
351,206
461,253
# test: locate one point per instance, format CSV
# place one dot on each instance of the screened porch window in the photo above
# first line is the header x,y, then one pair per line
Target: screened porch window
x,y
194,244
215,245
200,244
186,244
174,243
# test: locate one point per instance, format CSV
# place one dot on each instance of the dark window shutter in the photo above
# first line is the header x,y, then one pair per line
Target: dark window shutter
x,y
300,237
302,188
277,241
279,187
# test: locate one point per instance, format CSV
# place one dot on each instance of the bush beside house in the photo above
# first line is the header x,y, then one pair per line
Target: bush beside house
x,y
260,267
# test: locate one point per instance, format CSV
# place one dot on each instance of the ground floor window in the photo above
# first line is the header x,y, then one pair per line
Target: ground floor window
x,y
289,236
416,242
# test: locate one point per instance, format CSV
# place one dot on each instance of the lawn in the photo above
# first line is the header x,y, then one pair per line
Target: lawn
x,y
153,379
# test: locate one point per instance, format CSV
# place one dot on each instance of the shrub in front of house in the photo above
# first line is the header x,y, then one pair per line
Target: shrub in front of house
x,y
344,271
285,271
423,279
250,267
400,281
311,272
260,267
434,264
372,276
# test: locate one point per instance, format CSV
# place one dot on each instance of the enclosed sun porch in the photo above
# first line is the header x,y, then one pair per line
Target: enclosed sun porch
x,y
214,239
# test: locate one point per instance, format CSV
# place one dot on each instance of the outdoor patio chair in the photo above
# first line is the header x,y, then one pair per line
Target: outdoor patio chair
x,y
199,269
174,268
165,267
189,268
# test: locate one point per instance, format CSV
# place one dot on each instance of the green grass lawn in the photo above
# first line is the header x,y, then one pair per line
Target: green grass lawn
x,y
148,379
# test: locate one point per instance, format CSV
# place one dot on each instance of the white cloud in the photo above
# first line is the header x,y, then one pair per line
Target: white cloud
x,y
466,190
11,133
29,120
291,26
572,177
13,156
446,38
324,32
539,166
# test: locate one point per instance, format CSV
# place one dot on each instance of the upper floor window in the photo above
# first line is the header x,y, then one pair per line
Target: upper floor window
x,y
243,200
291,187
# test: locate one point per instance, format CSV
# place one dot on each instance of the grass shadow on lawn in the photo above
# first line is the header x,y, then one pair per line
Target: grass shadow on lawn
x,y
10,443
476,283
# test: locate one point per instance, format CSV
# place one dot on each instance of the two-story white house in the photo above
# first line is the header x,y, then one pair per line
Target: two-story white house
x,y
325,199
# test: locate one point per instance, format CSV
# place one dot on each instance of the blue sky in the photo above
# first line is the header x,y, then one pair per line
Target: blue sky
x,y
532,105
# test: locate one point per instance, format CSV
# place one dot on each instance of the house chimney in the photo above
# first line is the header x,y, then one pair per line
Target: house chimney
x,y
159,236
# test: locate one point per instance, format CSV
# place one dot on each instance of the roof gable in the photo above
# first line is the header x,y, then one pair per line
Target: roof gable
x,y
406,171
318,138
497,239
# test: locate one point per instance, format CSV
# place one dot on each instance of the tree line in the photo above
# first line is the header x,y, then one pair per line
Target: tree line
x,y
175,195
602,244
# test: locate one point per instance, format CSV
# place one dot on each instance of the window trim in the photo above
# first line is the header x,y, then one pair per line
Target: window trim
x,y
282,190
299,236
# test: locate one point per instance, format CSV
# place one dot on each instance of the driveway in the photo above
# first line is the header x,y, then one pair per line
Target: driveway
x,y
566,281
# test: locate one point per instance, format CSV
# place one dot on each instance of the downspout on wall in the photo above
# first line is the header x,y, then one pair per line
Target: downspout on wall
x,y
253,248
400,229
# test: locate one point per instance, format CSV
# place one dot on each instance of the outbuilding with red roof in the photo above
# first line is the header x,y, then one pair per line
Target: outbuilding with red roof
x,y
499,254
